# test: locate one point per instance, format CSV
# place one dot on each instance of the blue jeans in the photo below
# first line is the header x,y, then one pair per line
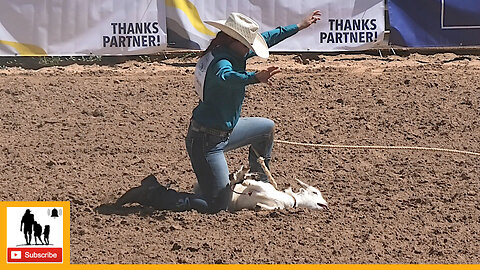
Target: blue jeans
x,y
206,152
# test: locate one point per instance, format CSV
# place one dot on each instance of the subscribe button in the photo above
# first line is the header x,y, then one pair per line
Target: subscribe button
x,y
34,255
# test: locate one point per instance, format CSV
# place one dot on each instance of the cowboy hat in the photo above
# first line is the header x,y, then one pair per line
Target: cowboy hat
x,y
245,30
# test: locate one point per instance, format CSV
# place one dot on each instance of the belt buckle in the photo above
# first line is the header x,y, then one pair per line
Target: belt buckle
x,y
199,128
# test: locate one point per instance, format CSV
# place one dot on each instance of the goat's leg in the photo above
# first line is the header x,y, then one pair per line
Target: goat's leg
x,y
238,176
261,161
252,175
252,186
241,175
266,207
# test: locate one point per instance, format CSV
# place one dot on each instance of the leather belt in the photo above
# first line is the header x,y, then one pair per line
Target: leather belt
x,y
195,126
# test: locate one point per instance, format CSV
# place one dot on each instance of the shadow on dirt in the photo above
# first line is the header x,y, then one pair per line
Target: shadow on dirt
x,y
151,196
115,209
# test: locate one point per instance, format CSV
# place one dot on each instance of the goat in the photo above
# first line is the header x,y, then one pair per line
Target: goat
x,y
252,194
248,193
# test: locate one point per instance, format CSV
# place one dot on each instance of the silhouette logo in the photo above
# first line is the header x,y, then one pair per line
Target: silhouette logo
x,y
34,235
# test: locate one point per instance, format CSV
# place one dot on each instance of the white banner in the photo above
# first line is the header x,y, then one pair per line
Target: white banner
x,y
82,27
345,24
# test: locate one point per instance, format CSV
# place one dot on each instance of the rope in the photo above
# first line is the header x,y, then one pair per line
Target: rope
x,y
329,146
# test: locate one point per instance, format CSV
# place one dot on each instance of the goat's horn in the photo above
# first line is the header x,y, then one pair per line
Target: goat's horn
x,y
302,183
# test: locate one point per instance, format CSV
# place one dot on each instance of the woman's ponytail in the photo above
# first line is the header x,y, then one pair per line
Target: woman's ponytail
x,y
221,39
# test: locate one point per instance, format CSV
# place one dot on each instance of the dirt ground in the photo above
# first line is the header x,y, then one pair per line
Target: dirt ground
x,y
87,134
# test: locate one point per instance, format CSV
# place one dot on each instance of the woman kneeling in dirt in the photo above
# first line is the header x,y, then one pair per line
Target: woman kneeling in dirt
x,y
216,126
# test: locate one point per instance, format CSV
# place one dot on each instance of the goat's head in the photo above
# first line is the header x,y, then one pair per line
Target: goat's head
x,y
309,197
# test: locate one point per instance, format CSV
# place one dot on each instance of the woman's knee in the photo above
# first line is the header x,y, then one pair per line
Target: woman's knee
x,y
271,124
268,126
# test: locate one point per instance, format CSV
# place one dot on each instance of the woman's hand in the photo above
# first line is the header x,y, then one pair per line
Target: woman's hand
x,y
313,18
265,75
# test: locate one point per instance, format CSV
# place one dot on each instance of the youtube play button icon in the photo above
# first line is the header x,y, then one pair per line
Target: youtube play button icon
x,y
16,255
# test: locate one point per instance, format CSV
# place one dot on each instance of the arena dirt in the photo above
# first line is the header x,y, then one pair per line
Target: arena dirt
x,y
87,134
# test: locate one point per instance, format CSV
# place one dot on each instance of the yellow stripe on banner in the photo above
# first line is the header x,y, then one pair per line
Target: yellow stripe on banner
x,y
191,11
25,49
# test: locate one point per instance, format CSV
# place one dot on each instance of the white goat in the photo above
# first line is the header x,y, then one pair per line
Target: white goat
x,y
252,194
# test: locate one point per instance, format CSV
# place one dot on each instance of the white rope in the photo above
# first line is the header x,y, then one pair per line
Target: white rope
x,y
379,147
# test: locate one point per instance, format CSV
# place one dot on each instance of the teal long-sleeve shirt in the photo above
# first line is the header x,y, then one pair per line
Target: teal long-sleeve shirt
x,y
225,82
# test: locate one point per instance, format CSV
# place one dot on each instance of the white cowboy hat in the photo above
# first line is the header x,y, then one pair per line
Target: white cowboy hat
x,y
245,30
